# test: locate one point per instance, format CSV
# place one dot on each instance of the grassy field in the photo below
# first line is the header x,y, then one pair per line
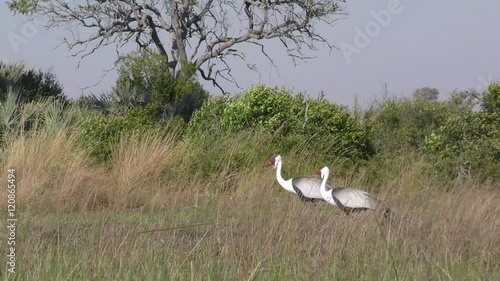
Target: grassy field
x,y
82,221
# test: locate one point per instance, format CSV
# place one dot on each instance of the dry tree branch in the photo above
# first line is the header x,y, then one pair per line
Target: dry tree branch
x,y
192,33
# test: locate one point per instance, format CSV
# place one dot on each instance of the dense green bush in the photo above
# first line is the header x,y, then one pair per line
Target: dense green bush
x,y
469,143
331,129
460,133
403,124
264,108
207,120
99,133
491,99
327,128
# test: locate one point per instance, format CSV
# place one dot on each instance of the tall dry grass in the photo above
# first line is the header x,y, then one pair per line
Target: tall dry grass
x,y
81,221
52,174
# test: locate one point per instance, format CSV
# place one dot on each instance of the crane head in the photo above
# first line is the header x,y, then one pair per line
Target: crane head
x,y
274,160
322,171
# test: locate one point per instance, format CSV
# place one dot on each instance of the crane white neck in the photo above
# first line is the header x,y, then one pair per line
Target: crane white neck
x,y
327,194
286,184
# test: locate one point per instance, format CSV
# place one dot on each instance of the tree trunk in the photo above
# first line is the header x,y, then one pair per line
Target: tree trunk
x,y
178,38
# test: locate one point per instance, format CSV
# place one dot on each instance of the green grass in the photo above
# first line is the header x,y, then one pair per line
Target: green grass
x,y
260,238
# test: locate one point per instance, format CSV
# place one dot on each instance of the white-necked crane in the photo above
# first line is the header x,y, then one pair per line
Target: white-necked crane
x,y
349,199
307,188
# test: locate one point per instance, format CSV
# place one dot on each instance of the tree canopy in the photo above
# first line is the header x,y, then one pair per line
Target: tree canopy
x,y
427,93
29,84
194,36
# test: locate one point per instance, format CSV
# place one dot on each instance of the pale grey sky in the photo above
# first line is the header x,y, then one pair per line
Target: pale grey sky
x,y
447,44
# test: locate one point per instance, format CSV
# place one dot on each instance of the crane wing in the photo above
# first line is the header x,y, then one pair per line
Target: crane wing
x,y
355,198
308,187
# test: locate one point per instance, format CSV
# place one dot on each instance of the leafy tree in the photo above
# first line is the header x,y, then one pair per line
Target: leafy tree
x,y
143,79
426,93
192,36
32,85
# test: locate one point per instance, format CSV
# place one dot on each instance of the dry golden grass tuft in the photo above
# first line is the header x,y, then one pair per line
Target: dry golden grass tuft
x,y
139,168
52,174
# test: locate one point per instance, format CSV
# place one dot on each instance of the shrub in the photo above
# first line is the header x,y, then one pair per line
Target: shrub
x,y
100,134
207,120
16,118
331,129
403,124
190,96
465,143
268,109
38,85
9,75
122,98
327,128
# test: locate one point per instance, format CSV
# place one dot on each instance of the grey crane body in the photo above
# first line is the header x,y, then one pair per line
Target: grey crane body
x,y
348,199
352,200
307,188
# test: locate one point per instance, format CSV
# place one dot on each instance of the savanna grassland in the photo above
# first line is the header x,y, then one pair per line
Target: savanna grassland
x,y
81,221
158,180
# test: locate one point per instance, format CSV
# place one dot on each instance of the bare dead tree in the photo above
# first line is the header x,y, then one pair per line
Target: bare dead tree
x,y
194,35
